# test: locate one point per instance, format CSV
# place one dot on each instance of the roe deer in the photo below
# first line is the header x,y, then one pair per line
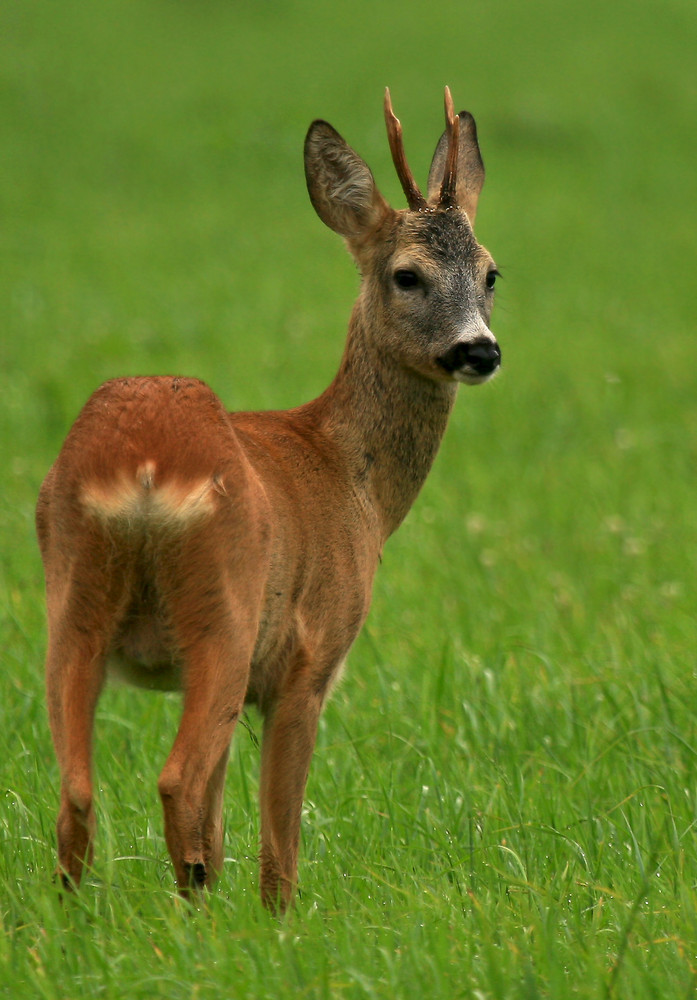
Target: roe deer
x,y
231,555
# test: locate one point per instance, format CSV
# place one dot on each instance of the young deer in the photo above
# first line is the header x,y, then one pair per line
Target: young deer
x,y
231,555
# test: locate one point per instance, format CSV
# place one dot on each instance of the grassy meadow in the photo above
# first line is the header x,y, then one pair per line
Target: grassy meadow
x,y
503,800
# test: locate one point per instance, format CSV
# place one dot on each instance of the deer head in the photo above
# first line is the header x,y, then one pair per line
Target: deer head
x,y
427,284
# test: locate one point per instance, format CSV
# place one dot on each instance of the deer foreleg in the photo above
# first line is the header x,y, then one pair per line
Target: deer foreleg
x,y
290,732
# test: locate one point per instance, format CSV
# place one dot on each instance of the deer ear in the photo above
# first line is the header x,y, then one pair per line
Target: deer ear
x,y
340,184
470,168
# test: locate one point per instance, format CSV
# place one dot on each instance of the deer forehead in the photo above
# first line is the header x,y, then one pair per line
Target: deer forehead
x,y
438,238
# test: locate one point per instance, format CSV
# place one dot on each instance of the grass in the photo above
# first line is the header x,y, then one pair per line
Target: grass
x,y
504,795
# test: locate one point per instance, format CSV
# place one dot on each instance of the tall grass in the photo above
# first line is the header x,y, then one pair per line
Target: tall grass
x,y
504,795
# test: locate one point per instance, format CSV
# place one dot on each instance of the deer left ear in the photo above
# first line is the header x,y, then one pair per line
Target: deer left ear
x,y
341,186
470,167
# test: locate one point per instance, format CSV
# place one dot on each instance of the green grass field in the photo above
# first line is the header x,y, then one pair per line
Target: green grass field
x,y
503,800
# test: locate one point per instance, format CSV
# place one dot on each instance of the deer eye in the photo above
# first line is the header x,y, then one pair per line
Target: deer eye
x,y
403,278
491,278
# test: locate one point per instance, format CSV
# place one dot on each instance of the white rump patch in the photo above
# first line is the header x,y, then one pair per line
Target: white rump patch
x,y
140,498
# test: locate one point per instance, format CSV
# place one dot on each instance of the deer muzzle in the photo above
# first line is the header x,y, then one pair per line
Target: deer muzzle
x,y
472,360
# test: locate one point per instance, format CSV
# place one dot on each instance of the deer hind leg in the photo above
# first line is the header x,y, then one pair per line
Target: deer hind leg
x,y
74,675
191,783
213,817
80,629
290,732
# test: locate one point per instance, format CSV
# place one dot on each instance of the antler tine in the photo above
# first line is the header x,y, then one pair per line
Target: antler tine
x,y
415,199
448,188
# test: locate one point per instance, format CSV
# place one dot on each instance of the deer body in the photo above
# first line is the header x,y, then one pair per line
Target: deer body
x,y
232,555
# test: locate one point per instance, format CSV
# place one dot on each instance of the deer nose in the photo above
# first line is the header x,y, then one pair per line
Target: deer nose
x,y
484,356
480,357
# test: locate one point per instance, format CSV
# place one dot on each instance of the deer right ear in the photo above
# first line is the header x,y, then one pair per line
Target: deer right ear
x,y
470,168
341,186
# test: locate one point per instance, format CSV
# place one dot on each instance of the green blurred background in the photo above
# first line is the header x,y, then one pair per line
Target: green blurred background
x,y
537,608
155,219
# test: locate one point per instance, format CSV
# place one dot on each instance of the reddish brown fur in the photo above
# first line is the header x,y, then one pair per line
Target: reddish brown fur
x,y
232,555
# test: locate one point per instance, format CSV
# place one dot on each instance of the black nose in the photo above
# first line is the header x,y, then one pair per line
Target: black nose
x,y
480,356
484,356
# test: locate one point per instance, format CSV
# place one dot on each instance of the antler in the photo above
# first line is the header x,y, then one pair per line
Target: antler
x,y
415,199
448,188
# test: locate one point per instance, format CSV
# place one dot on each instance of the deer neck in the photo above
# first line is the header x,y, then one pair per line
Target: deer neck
x,y
387,420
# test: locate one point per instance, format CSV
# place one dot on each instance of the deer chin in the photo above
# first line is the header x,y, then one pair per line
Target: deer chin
x,y
473,378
